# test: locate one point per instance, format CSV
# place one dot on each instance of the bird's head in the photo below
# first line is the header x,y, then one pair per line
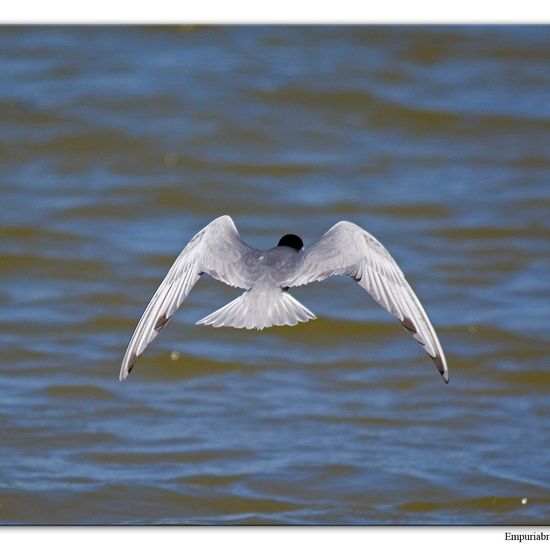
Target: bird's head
x,y
292,241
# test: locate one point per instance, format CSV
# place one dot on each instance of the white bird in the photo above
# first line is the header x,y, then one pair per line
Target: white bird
x,y
266,276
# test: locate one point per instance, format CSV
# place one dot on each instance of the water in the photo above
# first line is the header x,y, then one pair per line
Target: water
x,y
118,144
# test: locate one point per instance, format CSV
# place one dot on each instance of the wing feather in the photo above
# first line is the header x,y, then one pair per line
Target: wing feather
x,y
217,250
347,249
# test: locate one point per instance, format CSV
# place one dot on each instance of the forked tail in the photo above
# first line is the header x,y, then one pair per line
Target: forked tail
x,y
259,309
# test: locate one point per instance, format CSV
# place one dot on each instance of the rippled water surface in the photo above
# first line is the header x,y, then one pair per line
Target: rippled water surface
x,y
118,144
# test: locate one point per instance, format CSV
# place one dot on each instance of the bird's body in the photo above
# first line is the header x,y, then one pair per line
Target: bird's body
x,y
267,275
266,303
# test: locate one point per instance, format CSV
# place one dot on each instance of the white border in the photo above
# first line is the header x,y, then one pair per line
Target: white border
x,y
278,11
266,538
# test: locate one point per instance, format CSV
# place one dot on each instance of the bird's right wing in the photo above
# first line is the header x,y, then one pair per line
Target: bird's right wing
x,y
217,250
347,249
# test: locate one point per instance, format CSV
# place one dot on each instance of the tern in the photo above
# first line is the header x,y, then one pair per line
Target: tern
x,y
267,275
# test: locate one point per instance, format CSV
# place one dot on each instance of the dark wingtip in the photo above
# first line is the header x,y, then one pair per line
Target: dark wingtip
x,y
131,363
438,360
409,325
161,321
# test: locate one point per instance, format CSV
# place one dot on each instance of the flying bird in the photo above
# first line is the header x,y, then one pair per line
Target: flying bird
x,y
267,275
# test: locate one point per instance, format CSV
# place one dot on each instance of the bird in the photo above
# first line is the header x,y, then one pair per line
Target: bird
x,y
267,275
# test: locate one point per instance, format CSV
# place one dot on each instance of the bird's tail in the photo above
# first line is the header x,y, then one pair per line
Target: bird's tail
x,y
259,309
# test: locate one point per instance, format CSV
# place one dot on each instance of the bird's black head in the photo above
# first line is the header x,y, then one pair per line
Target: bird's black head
x,y
292,241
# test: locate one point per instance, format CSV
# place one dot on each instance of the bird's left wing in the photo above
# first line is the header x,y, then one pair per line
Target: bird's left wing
x,y
347,249
217,250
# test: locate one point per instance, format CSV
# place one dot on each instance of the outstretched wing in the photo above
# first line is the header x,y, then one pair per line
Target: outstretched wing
x,y
217,250
347,249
